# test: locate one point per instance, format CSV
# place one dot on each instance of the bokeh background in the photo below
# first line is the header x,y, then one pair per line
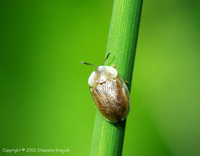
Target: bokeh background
x,y
44,96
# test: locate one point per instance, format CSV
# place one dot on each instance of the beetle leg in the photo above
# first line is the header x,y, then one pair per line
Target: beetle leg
x,y
113,66
126,82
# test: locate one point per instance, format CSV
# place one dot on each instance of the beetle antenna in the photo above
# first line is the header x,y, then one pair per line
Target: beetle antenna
x,y
89,64
106,58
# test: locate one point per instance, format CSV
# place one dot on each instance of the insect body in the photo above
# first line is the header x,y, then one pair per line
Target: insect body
x,y
109,92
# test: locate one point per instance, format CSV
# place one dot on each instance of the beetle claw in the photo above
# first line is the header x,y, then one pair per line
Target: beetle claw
x,y
113,66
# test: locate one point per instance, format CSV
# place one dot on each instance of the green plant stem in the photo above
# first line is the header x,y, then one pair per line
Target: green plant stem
x,y
108,137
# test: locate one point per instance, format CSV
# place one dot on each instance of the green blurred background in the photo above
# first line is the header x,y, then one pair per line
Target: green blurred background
x,y
44,97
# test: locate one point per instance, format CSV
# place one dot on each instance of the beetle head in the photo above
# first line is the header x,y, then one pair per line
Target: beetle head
x,y
102,73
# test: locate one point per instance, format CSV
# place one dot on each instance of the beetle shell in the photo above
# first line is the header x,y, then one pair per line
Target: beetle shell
x,y
110,93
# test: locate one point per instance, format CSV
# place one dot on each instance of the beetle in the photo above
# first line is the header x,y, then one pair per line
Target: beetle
x,y
109,92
